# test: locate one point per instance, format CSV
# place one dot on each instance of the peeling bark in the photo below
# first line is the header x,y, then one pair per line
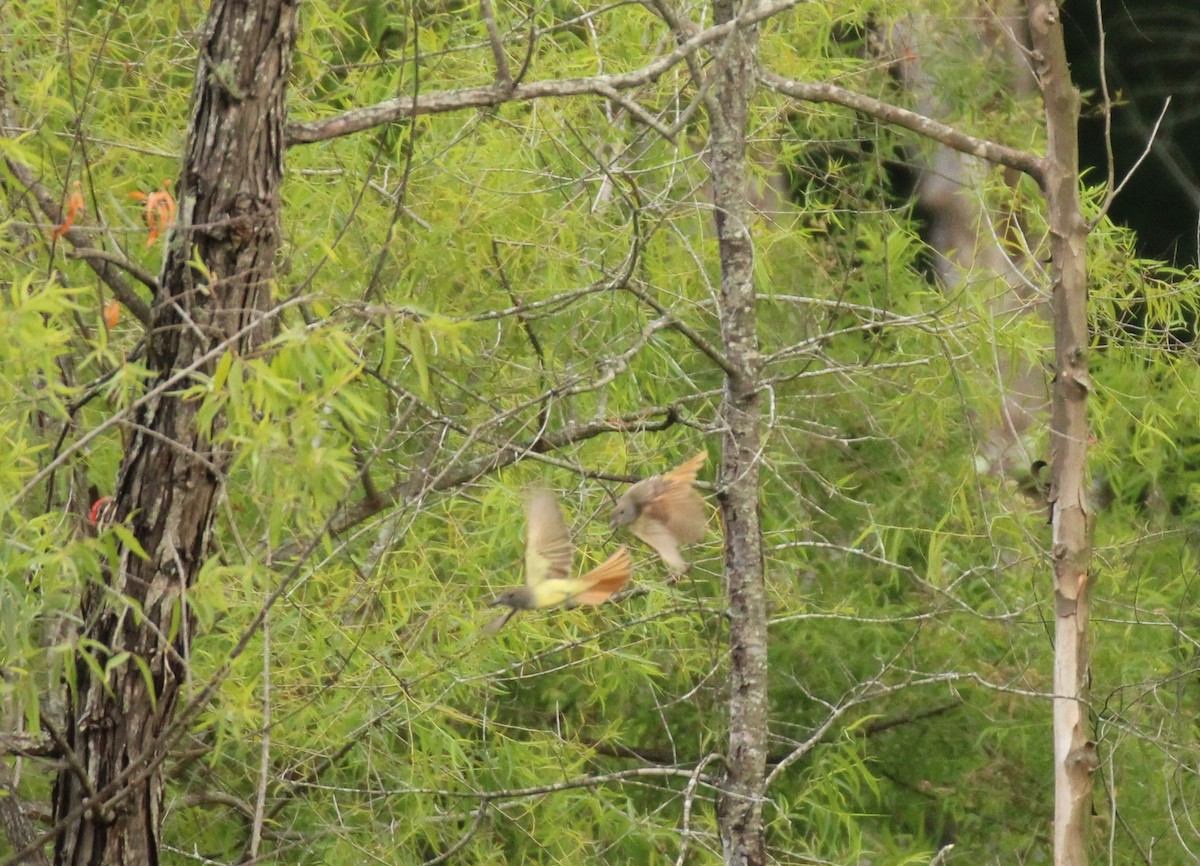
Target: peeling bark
x,y
1074,752
740,807
171,477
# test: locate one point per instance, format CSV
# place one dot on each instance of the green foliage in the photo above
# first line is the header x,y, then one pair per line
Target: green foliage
x,y
454,292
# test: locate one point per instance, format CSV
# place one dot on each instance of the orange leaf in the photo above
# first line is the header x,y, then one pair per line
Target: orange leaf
x,y
112,312
74,209
158,212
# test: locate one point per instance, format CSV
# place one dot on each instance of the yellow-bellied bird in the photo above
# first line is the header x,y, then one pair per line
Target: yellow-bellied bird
x,y
665,511
548,555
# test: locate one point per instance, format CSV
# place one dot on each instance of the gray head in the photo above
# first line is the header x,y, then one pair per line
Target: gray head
x,y
519,598
624,512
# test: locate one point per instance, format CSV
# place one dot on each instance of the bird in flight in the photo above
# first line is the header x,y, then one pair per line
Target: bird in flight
x,y
548,555
665,511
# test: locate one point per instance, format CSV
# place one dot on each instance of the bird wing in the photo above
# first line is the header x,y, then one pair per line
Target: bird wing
x,y
599,584
677,505
685,473
548,550
681,510
657,534
673,483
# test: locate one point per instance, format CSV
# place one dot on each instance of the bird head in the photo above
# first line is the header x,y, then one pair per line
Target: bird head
x,y
518,599
623,513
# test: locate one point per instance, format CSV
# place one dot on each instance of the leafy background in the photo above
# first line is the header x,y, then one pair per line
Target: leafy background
x,y
473,280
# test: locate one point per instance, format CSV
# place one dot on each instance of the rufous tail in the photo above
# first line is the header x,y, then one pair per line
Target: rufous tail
x,y
609,577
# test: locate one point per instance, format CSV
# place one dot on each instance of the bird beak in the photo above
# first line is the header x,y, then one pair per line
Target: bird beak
x,y
495,602
499,622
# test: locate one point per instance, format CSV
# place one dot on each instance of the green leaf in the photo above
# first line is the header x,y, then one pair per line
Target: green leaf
x,y
127,540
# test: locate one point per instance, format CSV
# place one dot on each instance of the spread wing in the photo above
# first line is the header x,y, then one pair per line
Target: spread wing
x,y
685,473
669,486
601,582
681,511
677,506
548,549
656,534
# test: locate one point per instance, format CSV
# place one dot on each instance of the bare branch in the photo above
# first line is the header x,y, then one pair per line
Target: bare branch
x,y
1075,757
504,78
480,814
868,691
707,348
219,798
72,759
1030,164
389,111
100,262
1114,192
689,796
640,113
504,455
264,761
142,276
1106,96
26,746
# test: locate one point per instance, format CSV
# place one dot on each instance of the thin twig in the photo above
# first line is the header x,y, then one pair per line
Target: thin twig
x,y
480,814
103,268
134,270
504,79
389,111
821,92
1101,38
689,796
264,764
68,754
162,387
1113,193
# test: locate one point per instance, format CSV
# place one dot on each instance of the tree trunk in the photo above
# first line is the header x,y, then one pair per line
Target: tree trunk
x,y
171,476
740,808
1074,752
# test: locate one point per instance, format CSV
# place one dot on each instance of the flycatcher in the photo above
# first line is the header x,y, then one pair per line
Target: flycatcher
x,y
665,511
548,555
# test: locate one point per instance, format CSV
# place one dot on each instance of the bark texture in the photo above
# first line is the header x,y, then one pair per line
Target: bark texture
x,y
170,480
740,808
1074,752
18,829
